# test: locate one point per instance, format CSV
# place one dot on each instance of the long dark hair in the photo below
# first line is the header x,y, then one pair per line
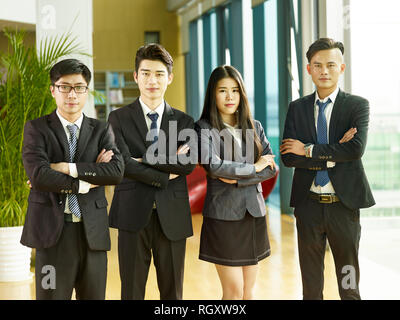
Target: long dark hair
x,y
243,116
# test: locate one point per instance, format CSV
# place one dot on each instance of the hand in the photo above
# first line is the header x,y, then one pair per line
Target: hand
x,y
183,149
348,135
292,146
265,161
228,180
104,156
29,184
62,167
173,176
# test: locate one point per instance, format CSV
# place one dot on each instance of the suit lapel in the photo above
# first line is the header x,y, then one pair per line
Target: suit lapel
x,y
310,115
166,118
85,133
336,112
56,126
139,121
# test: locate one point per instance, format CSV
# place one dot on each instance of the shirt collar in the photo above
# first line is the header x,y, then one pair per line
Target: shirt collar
x,y
159,109
65,122
332,96
231,127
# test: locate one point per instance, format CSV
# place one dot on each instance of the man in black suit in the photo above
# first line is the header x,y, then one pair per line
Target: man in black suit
x,y
68,158
324,138
150,207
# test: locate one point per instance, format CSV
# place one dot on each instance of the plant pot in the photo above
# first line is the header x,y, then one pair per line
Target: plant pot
x,y
15,259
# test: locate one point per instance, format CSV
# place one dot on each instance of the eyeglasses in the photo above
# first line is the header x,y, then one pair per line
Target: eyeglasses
x,y
67,89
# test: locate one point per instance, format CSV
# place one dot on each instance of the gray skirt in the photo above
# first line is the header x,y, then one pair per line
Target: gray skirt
x,y
234,243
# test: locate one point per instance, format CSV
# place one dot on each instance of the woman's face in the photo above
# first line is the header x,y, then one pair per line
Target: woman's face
x,y
227,97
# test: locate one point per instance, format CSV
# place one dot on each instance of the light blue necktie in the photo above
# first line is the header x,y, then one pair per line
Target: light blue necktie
x,y
153,117
73,142
322,177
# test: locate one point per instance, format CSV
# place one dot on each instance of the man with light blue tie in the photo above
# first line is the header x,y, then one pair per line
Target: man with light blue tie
x,y
324,139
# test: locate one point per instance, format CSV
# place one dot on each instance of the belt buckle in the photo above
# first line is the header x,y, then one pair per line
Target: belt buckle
x,y
325,198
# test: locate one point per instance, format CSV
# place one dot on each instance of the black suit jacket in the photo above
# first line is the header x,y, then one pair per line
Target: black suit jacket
x,y
145,183
347,176
45,142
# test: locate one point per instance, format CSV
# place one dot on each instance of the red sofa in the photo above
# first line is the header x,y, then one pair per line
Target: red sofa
x,y
197,185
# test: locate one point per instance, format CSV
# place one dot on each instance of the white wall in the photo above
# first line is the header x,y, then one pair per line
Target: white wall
x,y
23,11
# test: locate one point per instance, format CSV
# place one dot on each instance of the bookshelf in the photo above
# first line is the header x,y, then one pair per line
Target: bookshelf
x,y
117,88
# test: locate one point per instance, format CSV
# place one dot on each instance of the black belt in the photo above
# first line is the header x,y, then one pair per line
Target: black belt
x,y
324,198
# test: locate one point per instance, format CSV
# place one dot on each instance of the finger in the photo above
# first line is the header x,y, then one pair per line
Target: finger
x,y
108,153
183,149
285,151
285,148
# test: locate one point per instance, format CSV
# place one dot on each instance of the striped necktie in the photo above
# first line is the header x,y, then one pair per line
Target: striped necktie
x,y
73,142
322,177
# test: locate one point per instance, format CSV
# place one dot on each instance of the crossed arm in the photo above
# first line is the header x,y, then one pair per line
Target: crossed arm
x,y
57,177
233,172
350,147
138,169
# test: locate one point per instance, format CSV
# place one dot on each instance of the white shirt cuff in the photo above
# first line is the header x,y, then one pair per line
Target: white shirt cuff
x,y
73,172
84,186
330,164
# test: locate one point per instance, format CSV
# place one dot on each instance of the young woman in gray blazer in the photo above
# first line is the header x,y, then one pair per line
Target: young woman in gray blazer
x,y
237,157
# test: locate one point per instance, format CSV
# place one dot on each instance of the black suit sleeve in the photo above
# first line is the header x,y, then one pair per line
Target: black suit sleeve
x,y
133,169
353,149
293,160
267,172
164,164
37,163
103,173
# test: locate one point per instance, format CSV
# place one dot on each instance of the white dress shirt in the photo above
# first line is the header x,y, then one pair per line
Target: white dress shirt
x,y
328,188
159,110
236,133
84,186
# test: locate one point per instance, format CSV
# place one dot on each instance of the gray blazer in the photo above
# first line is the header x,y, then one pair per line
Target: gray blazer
x,y
231,201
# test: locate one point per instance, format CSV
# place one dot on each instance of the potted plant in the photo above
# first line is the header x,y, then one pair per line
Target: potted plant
x,y
24,95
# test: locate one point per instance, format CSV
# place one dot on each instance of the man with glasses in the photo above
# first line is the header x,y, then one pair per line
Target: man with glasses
x,y
68,159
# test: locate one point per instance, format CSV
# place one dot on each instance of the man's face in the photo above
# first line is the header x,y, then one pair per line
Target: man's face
x,y
152,79
325,68
69,105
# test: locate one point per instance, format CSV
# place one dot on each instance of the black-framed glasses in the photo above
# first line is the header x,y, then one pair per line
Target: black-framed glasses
x,y
67,89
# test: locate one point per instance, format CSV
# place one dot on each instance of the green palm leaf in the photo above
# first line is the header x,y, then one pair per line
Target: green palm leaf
x,y
24,95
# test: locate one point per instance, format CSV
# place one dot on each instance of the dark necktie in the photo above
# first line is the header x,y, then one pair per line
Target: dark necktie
x,y
153,117
322,177
73,142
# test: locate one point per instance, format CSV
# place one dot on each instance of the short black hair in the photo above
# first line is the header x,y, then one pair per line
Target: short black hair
x,y
69,66
154,51
323,44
